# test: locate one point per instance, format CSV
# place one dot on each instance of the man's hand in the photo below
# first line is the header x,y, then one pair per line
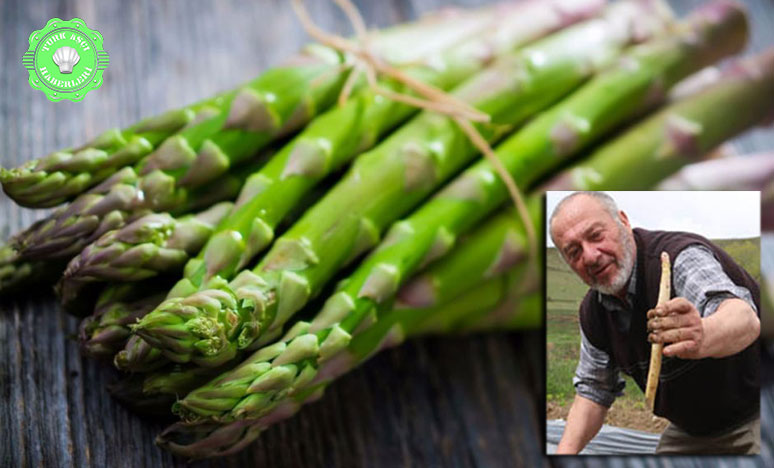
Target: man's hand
x,y
677,322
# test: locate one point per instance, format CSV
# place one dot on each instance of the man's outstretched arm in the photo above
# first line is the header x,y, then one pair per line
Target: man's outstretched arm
x,y
583,423
729,330
712,317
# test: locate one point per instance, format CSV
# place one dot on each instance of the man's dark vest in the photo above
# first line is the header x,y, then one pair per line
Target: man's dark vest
x,y
702,397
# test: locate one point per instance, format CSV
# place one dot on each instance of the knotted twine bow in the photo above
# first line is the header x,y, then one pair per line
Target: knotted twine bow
x,y
431,98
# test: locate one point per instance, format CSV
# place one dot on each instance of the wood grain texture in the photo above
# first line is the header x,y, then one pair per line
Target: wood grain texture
x,y
463,402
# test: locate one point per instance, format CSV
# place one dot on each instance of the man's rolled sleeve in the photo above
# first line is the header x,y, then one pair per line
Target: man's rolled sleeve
x,y
596,377
700,278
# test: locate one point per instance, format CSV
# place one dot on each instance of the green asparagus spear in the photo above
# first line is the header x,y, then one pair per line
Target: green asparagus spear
x,y
333,139
17,277
139,356
682,133
64,174
153,393
105,332
195,144
744,172
208,327
111,205
515,313
496,249
154,244
488,251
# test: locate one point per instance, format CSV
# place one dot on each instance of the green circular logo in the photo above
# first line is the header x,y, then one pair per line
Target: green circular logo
x,y
65,59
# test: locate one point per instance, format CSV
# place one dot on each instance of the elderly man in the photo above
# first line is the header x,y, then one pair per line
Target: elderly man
x,y
709,385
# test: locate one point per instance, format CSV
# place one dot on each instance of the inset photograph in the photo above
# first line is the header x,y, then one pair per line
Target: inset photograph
x,y
653,323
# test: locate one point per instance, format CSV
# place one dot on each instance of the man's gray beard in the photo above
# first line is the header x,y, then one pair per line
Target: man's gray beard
x,y
625,266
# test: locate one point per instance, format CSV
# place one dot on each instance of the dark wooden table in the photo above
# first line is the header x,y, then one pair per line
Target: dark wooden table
x,y
466,401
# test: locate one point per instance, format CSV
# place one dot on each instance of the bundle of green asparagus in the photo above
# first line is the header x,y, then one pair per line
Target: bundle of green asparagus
x,y
198,142
234,126
209,327
323,146
334,138
374,220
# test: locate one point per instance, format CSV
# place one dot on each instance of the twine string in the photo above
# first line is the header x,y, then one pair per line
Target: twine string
x,y
367,62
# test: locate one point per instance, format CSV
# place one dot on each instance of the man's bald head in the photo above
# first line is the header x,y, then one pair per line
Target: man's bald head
x,y
595,239
605,201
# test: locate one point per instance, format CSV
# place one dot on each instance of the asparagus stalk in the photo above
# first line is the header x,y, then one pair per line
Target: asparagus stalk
x,y
478,283
208,327
154,244
682,133
745,172
119,199
197,143
654,370
112,204
64,174
153,393
106,331
490,250
515,313
139,356
17,277
333,139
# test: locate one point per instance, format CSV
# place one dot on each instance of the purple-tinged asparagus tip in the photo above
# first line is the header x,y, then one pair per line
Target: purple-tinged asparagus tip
x,y
205,440
683,135
419,292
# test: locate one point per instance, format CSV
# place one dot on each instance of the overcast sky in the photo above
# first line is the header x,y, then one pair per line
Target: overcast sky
x,y
715,215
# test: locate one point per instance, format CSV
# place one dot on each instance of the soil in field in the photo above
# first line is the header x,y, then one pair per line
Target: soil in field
x,y
623,413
